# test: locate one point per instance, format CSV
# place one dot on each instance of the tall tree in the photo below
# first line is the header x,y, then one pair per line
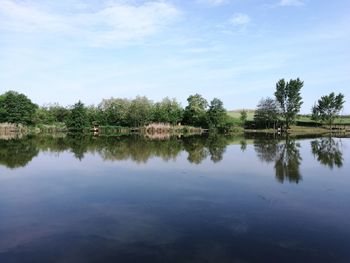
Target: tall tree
x,y
328,108
216,113
115,111
195,111
288,96
168,110
266,114
140,111
16,108
243,116
78,119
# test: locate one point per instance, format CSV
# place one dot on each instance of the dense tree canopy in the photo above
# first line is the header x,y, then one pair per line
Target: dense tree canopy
x,y
216,113
167,111
50,114
195,111
113,111
77,121
16,108
289,99
266,114
328,108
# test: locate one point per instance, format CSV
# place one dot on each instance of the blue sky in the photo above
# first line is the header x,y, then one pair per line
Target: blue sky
x,y
236,50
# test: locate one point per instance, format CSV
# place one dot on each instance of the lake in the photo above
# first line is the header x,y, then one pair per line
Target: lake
x,y
178,199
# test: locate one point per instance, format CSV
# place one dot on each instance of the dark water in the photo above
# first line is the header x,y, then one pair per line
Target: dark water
x,y
194,199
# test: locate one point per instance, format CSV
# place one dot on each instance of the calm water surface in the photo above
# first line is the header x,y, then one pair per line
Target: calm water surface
x,y
194,199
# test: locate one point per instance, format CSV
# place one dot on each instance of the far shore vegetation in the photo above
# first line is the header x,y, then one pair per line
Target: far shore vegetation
x,y
278,113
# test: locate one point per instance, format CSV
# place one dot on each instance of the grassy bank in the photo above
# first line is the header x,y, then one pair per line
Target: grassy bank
x,y
301,130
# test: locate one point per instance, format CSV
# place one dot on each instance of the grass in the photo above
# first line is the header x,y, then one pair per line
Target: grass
x,y
344,120
236,114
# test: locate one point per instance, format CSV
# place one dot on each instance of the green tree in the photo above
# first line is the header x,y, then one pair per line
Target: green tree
x,y
168,111
243,116
289,99
328,108
78,119
58,112
49,114
140,112
115,111
216,114
16,108
266,114
195,111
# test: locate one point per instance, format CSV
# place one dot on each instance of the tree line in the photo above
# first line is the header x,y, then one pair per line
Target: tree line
x,y
137,112
280,111
284,108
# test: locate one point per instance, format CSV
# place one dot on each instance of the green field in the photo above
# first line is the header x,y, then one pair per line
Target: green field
x,y
340,120
236,114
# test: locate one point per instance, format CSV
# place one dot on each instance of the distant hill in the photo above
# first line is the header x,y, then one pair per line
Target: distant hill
x,y
237,113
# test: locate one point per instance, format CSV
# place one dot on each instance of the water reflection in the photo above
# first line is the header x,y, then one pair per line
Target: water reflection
x,y
18,152
284,154
328,152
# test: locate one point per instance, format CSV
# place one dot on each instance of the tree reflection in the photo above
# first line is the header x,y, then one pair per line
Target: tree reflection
x,y
284,154
217,147
243,144
288,162
17,153
328,152
196,148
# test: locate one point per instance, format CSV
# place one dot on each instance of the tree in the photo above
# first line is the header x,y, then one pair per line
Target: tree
x,y
78,119
266,114
168,111
328,108
289,99
51,113
16,108
216,113
195,111
140,111
243,116
115,111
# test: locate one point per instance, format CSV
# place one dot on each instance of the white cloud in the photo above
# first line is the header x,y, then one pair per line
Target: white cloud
x,y
115,23
291,3
240,19
213,2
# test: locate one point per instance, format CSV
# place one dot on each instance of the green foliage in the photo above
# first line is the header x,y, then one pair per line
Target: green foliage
x,y
216,114
289,99
50,114
243,116
266,114
167,111
328,108
114,111
77,120
16,108
195,111
140,112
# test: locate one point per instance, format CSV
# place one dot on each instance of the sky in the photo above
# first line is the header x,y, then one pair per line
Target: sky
x,y
235,50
